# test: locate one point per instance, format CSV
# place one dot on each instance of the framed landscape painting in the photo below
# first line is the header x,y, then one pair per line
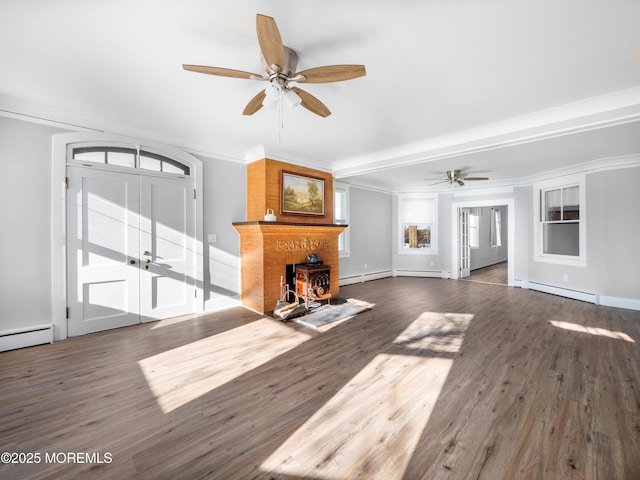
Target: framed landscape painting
x,y
302,195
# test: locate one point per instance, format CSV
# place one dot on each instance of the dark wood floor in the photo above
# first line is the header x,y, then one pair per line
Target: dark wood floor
x,y
442,379
492,274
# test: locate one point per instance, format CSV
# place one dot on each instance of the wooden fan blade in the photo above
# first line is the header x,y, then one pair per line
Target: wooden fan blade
x,y
333,73
254,104
222,72
270,41
476,178
311,103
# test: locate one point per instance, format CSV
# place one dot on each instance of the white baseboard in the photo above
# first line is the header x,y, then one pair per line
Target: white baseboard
x,y
421,273
25,337
520,283
364,277
618,302
564,292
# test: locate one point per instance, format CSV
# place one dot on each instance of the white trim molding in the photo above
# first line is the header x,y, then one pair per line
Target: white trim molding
x,y
578,180
564,292
60,145
618,302
26,337
364,277
511,235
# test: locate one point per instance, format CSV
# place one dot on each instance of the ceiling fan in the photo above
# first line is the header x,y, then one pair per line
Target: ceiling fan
x,y
457,177
279,65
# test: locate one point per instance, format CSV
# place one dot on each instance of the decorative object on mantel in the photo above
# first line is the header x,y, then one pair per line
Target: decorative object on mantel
x,y
269,216
279,65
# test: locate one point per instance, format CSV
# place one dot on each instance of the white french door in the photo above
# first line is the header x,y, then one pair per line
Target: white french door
x,y
465,249
167,239
130,248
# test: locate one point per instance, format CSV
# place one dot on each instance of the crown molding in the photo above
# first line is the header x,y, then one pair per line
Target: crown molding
x,y
594,113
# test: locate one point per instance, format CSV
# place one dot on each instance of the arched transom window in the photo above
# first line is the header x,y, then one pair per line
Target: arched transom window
x,y
130,158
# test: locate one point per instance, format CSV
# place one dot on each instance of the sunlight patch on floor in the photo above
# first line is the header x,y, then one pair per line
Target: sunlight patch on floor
x,y
224,304
602,332
379,412
183,374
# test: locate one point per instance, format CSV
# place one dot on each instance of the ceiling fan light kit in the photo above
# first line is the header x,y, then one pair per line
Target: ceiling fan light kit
x,y
279,64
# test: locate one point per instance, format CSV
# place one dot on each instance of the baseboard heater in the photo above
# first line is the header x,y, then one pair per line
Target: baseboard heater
x,y
25,337
564,292
421,273
364,277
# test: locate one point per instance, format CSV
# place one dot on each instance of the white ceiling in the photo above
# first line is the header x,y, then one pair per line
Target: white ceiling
x,y
505,89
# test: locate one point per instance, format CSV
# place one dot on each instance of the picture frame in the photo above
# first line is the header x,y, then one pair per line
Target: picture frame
x,y
302,195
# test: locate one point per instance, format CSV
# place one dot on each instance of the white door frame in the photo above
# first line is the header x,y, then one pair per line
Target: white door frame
x,y
60,143
455,237
464,255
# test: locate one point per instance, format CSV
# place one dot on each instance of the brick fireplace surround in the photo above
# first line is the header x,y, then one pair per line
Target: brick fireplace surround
x,y
267,247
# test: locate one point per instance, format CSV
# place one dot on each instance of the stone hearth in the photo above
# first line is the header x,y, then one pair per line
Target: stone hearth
x,y
267,247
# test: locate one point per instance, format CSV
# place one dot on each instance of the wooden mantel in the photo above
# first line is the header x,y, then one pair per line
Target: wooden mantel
x,y
266,248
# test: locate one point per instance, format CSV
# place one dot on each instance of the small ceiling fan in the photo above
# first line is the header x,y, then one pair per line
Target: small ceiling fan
x,y
457,177
279,65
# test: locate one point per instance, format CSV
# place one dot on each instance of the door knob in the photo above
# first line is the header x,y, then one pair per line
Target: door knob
x,y
147,260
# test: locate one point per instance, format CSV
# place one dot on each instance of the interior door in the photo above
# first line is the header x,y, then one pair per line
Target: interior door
x,y
167,242
465,249
102,250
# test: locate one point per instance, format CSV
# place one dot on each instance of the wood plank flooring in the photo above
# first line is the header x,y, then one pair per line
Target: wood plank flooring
x,y
492,274
442,379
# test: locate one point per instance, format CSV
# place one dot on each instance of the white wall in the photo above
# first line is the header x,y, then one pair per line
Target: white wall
x,y
369,233
523,198
25,223
224,203
613,227
613,265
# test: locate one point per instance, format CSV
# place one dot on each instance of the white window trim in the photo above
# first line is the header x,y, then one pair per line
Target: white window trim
x,y
538,255
434,226
346,253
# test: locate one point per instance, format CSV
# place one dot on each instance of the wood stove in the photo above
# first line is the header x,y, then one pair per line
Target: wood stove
x,y
313,282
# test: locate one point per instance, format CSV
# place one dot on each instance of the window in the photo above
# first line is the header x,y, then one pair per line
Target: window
x,y
560,217
341,215
474,228
129,158
496,228
417,224
120,157
560,224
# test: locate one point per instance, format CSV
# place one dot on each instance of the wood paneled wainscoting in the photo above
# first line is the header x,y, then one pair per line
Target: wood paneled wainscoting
x,y
266,248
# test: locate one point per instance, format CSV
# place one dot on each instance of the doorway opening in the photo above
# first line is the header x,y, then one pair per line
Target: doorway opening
x,y
482,241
